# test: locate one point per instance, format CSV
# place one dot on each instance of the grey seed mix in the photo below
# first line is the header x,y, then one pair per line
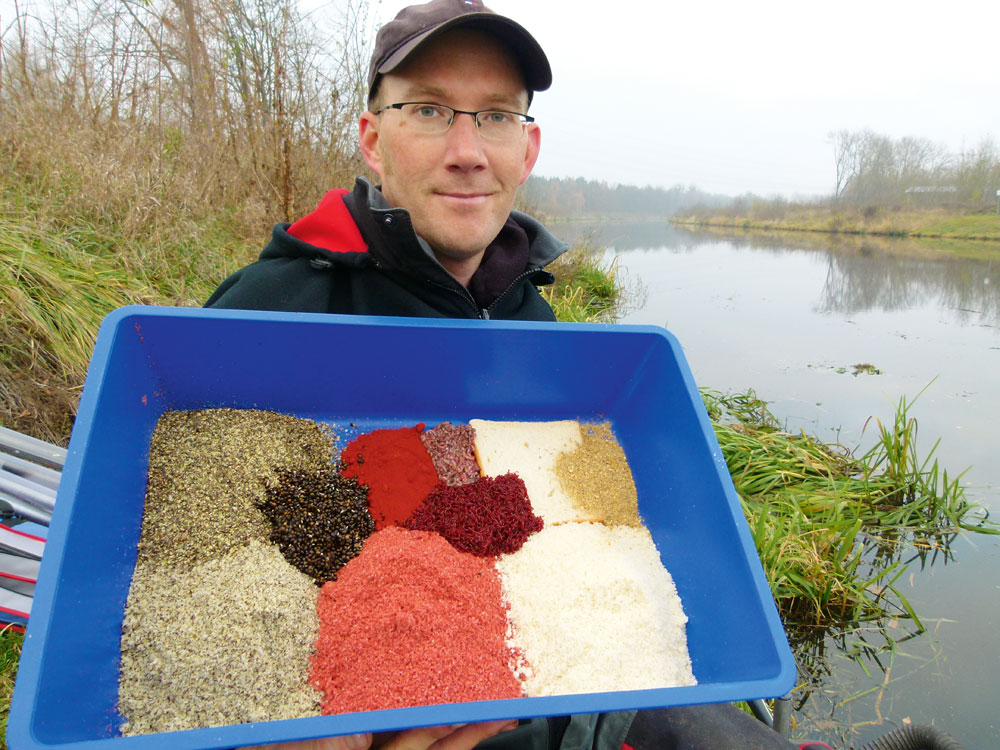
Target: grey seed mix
x,y
226,642
319,520
219,627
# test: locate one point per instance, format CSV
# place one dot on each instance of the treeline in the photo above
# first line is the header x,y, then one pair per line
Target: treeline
x,y
567,196
874,169
245,107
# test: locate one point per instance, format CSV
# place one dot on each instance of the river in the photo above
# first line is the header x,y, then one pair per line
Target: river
x,y
789,317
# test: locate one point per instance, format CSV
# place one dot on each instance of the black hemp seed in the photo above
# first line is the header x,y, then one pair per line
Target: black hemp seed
x,y
319,520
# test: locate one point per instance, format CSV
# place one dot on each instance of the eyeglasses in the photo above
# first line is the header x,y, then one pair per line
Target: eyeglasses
x,y
435,119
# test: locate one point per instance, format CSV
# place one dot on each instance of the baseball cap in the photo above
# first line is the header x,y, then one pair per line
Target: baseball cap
x,y
416,24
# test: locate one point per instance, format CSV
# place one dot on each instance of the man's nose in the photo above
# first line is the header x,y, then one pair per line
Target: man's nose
x,y
465,144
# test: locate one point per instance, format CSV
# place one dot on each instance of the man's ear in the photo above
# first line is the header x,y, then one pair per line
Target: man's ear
x,y
531,152
368,139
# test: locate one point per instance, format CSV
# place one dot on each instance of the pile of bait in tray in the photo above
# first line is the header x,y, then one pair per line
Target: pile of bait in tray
x,y
279,577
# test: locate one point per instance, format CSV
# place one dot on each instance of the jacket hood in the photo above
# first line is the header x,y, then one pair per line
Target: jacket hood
x,y
329,231
545,248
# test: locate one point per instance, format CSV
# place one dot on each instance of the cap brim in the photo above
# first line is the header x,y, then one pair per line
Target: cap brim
x,y
537,73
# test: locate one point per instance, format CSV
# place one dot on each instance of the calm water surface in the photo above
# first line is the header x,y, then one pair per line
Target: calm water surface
x,y
789,317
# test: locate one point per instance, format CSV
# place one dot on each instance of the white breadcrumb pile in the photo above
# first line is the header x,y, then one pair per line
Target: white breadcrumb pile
x,y
594,610
530,449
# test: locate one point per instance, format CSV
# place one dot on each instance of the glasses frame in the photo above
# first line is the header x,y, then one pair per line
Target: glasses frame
x,y
525,119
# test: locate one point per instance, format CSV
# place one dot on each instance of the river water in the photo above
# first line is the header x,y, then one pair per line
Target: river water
x,y
789,316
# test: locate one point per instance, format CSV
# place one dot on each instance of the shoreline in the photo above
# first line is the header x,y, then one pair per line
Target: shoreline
x,y
880,222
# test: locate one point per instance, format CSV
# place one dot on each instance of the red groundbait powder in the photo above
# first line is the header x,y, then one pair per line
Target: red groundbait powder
x,y
487,518
412,621
397,469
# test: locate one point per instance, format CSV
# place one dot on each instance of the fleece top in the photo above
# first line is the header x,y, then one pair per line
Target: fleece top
x,y
356,254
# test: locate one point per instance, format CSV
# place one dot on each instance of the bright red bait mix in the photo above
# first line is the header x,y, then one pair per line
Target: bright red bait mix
x,y
489,517
397,469
412,621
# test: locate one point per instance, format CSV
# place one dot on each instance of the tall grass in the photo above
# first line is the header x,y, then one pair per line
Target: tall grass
x,y
588,289
831,528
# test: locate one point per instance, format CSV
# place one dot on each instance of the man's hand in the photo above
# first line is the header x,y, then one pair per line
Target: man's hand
x,y
453,737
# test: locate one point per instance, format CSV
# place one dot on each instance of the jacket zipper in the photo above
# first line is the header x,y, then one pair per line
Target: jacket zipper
x,y
483,313
515,282
465,295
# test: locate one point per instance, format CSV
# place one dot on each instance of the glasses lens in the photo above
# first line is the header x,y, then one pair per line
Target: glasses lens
x,y
499,126
428,118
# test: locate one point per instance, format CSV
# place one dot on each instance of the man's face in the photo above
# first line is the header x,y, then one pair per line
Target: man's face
x,y
458,187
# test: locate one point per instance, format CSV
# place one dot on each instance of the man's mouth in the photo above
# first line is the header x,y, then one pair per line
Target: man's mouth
x,y
464,199
458,195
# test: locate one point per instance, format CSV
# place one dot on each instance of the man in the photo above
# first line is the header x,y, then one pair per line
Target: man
x,y
448,135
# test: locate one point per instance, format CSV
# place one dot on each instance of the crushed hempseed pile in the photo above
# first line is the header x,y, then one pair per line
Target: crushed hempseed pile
x,y
597,478
319,520
452,449
226,642
489,517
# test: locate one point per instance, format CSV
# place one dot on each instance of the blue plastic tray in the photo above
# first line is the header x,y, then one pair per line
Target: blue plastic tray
x,y
376,372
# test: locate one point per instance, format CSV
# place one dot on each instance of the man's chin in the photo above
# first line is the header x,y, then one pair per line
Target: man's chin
x,y
465,237
457,254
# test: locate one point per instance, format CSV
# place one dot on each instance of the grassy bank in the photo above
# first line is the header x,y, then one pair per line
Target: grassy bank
x,y
883,221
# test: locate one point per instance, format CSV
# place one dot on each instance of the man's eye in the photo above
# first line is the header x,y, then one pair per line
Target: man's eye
x,y
427,112
499,118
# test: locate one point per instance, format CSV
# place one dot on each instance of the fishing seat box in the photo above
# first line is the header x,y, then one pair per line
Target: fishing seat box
x,y
380,372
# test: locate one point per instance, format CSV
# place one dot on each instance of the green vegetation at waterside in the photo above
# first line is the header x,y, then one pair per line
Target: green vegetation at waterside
x,y
834,531
587,290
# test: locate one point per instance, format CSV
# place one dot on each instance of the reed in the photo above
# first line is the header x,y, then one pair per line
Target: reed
x,y
831,528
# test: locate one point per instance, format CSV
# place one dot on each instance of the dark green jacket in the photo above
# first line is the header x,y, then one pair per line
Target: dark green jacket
x,y
357,255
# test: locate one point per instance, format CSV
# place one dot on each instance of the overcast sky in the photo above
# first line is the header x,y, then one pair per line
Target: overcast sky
x,y
741,96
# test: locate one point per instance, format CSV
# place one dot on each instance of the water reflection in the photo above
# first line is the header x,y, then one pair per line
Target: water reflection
x,y
831,701
628,236
863,273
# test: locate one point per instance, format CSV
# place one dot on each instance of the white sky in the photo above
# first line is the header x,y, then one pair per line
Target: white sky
x,y
741,96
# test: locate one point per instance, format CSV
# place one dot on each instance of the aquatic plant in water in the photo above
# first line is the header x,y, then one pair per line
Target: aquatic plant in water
x,y
834,531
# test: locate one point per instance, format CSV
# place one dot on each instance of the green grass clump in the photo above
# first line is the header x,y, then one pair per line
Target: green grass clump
x,y
587,290
10,653
829,527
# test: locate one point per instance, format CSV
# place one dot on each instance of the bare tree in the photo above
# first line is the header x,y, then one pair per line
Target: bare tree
x,y
846,158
